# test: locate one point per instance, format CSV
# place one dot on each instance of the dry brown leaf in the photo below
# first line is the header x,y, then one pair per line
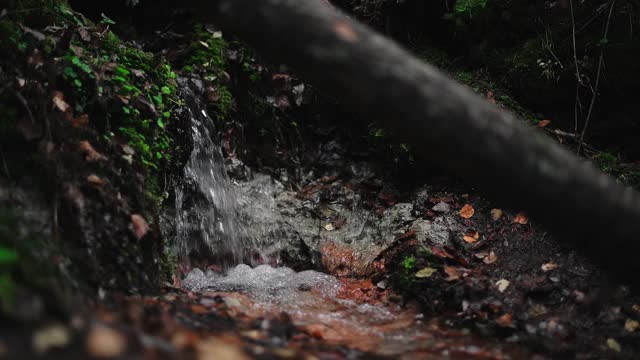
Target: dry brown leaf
x,y
80,121
467,211
452,272
105,342
496,214
199,309
631,325
505,320
90,154
544,123
95,180
58,101
140,226
521,219
549,266
471,236
491,258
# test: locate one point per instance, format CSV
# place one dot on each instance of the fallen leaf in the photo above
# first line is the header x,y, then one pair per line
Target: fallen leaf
x,y
549,266
219,349
496,214
471,236
426,272
80,121
452,272
544,123
614,345
105,342
140,226
491,258
631,325
505,320
440,252
521,219
54,336
467,211
490,97
199,309
90,154
95,180
58,101
502,284
329,227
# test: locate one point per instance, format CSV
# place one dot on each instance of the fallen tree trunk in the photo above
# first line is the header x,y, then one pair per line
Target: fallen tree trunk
x,y
444,121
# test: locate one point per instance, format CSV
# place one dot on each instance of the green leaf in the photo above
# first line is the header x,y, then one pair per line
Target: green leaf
x,y
166,90
106,20
122,71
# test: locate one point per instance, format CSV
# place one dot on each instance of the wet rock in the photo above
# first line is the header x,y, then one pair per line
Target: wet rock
x,y
437,231
442,207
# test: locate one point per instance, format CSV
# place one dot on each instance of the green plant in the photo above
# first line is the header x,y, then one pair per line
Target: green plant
x,y
409,263
469,8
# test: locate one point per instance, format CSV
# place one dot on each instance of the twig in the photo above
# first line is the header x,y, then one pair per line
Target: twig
x,y
4,165
575,59
595,91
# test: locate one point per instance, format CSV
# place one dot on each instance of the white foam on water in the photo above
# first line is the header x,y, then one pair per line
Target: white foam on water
x,y
268,284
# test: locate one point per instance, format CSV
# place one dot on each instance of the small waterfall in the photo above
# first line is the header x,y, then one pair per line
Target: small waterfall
x,y
205,201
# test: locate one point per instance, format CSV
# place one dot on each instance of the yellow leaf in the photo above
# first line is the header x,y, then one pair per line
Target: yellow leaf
x,y
502,284
426,272
496,214
614,345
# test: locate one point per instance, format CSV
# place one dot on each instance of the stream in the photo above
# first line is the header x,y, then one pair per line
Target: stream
x,y
246,225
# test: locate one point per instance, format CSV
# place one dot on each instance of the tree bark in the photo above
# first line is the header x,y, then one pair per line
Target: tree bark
x,y
515,165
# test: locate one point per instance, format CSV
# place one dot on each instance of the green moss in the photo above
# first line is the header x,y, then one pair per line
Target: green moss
x,y
627,174
206,53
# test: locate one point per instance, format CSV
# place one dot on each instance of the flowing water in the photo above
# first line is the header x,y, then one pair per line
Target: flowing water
x,y
234,222
206,201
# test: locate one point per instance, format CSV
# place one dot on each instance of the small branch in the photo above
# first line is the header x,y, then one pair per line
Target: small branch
x,y
575,59
595,90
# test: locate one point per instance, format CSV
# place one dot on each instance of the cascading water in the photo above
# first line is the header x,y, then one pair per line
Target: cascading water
x,y
205,201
